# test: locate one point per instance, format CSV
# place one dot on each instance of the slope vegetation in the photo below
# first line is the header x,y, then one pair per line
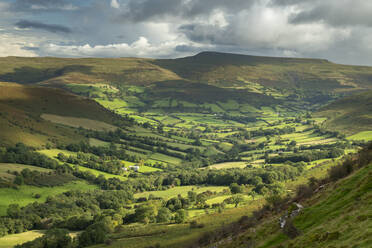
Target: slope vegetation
x,y
337,213
21,108
350,115
260,79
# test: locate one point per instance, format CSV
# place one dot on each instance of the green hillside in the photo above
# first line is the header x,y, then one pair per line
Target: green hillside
x,y
338,214
22,108
350,115
292,82
129,152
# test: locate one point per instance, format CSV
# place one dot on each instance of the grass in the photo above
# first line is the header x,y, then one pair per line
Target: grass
x,y
97,142
20,238
180,190
144,169
21,107
175,235
79,122
165,158
339,215
350,115
52,153
25,194
228,165
365,135
4,168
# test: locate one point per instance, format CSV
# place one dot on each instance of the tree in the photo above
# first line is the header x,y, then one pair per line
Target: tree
x,y
146,213
253,194
54,238
235,188
192,196
19,180
94,234
164,215
180,216
237,199
13,211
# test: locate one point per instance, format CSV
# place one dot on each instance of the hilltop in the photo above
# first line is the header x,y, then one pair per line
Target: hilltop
x,y
308,80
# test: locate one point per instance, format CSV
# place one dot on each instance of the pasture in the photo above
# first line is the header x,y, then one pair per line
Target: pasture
x,y
365,136
12,240
79,122
180,190
6,168
228,165
26,194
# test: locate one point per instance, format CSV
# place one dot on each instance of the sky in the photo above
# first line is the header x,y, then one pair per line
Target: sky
x,y
337,30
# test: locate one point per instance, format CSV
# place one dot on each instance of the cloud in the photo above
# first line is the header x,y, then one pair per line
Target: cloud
x,y
54,28
11,45
42,5
160,10
139,48
115,4
334,29
261,27
331,12
336,13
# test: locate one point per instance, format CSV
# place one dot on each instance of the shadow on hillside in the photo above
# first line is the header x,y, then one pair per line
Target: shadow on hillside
x,y
203,93
29,75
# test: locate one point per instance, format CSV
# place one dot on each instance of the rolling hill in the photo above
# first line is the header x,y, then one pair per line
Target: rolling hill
x,y
219,76
349,115
24,109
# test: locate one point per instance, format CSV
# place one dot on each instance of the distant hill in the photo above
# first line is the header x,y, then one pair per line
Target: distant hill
x,y
227,70
312,81
22,108
349,115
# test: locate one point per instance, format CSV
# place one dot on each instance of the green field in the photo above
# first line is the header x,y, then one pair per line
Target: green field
x,y
52,153
365,135
25,194
228,165
180,190
4,168
79,122
10,241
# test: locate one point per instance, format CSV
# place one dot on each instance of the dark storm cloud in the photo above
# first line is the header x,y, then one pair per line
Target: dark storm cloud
x,y
340,13
54,28
41,5
290,2
144,10
332,12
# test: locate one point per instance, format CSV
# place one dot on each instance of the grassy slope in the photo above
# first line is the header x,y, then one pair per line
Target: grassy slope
x,y
7,169
181,190
25,194
339,216
21,108
350,115
20,238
